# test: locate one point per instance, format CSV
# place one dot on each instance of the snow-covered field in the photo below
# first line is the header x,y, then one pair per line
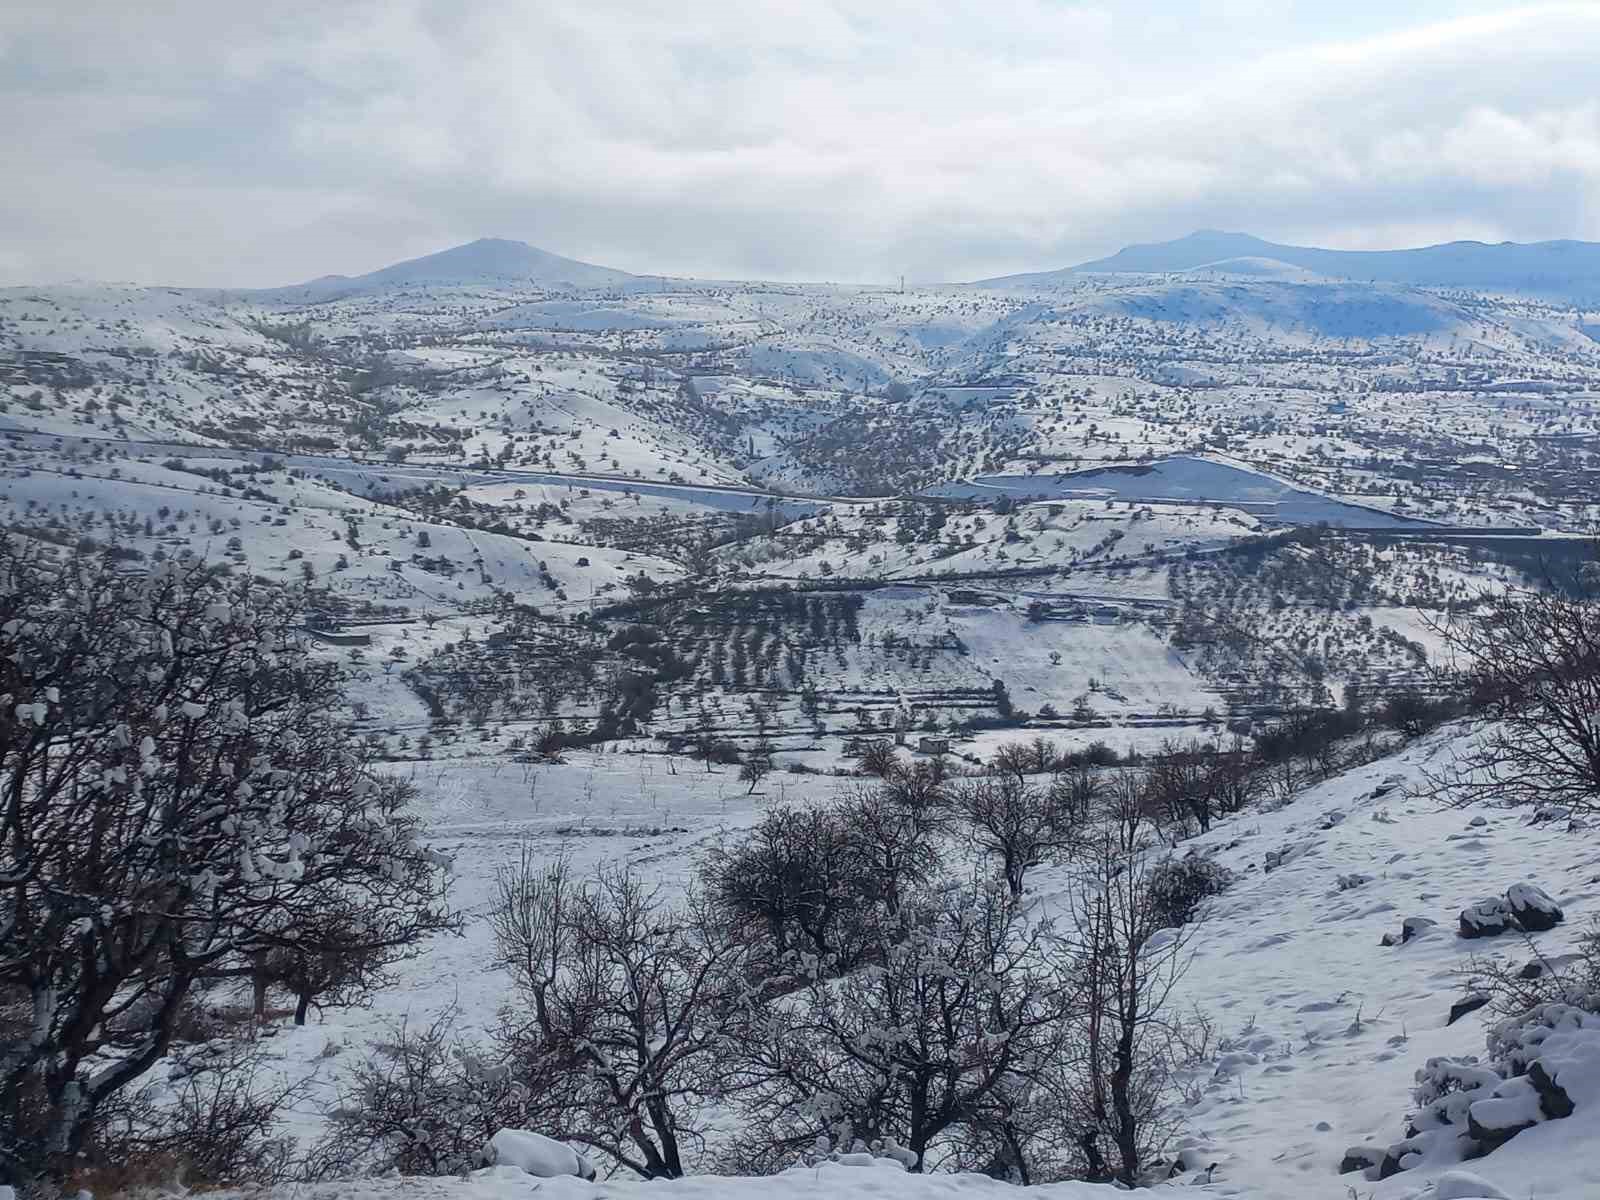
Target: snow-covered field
x,y
1316,1028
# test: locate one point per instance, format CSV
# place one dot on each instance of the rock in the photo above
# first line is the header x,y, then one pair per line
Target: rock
x,y
1553,1099
1531,970
1478,822
1486,918
1465,1005
1331,818
1549,812
1464,1185
1401,1156
1280,856
1361,1158
1414,926
1533,908
1494,1121
536,1155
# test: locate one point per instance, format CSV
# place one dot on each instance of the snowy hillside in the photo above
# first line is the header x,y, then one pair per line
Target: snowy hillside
x,y
1308,1029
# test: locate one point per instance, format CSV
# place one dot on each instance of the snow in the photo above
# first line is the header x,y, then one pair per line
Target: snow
x,y
1464,1185
1290,970
535,1154
1318,1029
871,1179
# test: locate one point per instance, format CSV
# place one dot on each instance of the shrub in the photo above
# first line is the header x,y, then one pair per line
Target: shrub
x,y
421,1103
1179,886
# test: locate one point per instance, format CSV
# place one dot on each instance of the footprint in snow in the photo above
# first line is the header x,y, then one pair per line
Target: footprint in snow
x,y
1267,943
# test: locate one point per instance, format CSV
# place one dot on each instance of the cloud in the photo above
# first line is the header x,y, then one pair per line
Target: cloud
x,y
238,144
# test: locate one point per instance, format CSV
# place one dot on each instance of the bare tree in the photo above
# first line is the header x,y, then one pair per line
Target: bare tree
x,y
177,793
625,1002
331,967
797,878
1015,822
1178,780
1076,790
757,765
1530,663
917,785
877,758
962,1006
1117,1106
422,1102
894,843
216,1124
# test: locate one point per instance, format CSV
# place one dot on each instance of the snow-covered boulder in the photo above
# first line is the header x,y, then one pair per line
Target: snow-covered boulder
x,y
1464,1185
1387,785
1486,918
1543,1065
1284,855
536,1154
1361,1158
1469,1003
1413,927
1533,908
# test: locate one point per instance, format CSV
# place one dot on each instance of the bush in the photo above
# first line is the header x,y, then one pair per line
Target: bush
x,y
216,1127
421,1103
1179,886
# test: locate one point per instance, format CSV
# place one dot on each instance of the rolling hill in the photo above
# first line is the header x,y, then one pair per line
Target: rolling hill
x,y
1557,269
498,260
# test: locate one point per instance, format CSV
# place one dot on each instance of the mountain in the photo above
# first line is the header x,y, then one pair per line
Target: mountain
x,y
483,261
1568,270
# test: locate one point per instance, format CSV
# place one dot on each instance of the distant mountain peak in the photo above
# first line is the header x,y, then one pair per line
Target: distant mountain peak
x,y
485,260
1564,270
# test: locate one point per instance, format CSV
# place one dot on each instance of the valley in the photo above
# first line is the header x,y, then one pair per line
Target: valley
x,y
623,569
1008,477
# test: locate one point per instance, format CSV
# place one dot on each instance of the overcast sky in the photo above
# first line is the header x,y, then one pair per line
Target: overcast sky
x,y
262,142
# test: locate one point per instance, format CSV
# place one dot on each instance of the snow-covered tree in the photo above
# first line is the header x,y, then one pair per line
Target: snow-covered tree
x,y
1530,662
623,1001
1115,1104
934,1043
1015,822
177,795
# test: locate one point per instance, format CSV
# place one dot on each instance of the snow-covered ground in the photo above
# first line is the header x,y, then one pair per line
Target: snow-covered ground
x,y
1316,1028
877,1179
1324,1027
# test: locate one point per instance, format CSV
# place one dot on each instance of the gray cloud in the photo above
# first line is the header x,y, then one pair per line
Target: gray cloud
x,y
241,144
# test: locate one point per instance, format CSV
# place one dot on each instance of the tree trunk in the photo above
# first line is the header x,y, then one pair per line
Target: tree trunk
x,y
1127,1130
